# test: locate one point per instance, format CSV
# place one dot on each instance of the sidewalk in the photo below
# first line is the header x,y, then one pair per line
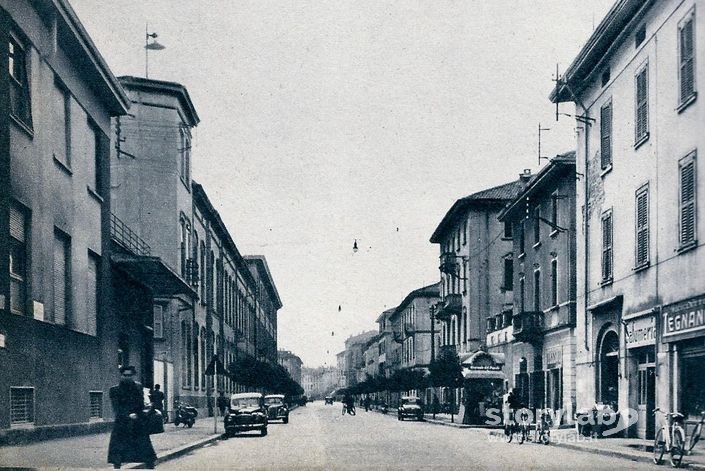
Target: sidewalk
x,y
91,451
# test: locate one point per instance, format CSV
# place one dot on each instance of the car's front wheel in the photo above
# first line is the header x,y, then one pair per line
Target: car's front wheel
x,y
285,420
263,432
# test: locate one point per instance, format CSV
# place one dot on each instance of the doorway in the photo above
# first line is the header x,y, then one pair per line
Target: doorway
x,y
609,369
646,391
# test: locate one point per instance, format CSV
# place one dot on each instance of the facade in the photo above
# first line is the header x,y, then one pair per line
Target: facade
x,y
386,346
543,283
292,363
354,356
475,251
413,316
266,307
640,328
318,382
59,332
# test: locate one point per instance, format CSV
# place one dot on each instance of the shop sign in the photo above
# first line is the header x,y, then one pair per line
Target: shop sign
x,y
684,317
554,357
640,332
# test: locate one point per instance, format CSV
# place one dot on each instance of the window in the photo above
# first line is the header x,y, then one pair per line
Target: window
x,y
522,240
20,105
537,224
186,354
522,294
21,405
687,209
507,229
158,321
554,282
196,366
605,77
508,272
641,120
537,290
607,246
639,36
61,105
100,149
686,57
96,401
185,151
465,232
87,322
18,260
554,211
642,227
203,272
62,278
184,236
606,135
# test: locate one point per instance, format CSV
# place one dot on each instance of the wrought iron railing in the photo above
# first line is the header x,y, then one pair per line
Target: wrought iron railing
x,y
126,237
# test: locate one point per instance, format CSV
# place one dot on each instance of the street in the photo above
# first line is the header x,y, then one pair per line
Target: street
x,y
319,437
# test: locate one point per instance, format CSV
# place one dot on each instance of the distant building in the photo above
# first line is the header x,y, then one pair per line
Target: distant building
x,y
318,382
292,363
354,357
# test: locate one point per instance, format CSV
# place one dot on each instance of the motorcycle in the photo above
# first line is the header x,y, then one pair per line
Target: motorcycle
x,y
185,414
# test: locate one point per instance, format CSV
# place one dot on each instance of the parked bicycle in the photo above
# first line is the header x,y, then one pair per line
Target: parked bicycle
x,y
543,427
670,438
697,431
520,429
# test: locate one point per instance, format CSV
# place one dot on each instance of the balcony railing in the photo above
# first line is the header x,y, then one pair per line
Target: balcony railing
x,y
452,305
127,238
527,327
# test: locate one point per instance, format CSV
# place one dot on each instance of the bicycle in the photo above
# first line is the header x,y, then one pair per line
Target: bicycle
x,y
670,439
695,436
543,427
521,430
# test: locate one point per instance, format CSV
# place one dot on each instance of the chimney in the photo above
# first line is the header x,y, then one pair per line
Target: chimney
x,y
525,176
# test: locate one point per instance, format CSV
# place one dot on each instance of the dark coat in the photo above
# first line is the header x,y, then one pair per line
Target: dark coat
x,y
129,441
157,398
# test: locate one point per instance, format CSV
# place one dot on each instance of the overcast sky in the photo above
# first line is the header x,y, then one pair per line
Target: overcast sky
x,y
327,121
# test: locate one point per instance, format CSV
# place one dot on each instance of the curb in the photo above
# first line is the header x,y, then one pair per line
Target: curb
x,y
182,450
625,454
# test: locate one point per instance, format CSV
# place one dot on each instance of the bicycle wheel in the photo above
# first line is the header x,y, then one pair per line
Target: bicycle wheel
x,y
677,447
508,433
522,434
659,447
695,436
546,437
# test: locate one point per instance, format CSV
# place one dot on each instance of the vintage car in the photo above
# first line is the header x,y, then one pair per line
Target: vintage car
x,y
410,407
276,408
329,400
246,412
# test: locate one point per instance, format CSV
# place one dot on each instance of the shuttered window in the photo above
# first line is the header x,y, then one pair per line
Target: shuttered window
x,y
18,260
21,405
554,282
96,404
606,135
687,228
158,322
20,105
537,290
62,280
686,56
86,320
642,227
641,120
607,246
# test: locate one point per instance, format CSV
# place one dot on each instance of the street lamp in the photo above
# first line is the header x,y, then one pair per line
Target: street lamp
x,y
153,46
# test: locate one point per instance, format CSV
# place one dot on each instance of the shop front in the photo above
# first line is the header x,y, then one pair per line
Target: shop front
x,y
640,342
683,329
484,386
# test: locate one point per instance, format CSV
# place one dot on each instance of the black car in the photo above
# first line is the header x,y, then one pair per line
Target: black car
x,y
246,412
410,407
276,408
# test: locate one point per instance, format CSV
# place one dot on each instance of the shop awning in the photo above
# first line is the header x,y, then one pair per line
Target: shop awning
x,y
497,358
153,273
606,303
469,373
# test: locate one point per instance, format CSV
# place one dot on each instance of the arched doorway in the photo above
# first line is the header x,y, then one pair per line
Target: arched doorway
x,y
609,368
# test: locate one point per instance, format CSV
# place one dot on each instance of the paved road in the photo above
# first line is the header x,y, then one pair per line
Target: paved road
x,y
319,437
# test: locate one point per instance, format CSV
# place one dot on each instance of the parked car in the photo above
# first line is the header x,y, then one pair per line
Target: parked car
x,y
329,400
410,407
246,412
276,408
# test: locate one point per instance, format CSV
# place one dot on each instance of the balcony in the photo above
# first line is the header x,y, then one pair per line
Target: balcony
x,y
409,329
527,327
452,305
121,234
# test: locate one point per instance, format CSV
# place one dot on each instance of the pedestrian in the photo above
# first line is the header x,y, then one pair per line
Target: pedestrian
x,y
367,404
129,440
156,397
222,403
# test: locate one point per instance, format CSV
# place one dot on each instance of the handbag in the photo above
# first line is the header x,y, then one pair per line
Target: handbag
x,y
154,422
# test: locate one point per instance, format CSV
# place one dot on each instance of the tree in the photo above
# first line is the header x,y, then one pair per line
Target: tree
x,y
446,370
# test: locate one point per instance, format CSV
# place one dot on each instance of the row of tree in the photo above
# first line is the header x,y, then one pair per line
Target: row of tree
x,y
444,371
255,373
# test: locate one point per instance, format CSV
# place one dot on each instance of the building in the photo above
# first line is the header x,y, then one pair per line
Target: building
x,y
59,331
640,323
386,346
475,256
292,363
267,305
354,357
542,280
319,382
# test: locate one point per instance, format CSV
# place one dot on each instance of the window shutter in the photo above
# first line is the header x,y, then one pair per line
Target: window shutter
x,y
59,281
607,247
687,201
642,228
158,321
642,104
686,60
17,224
605,135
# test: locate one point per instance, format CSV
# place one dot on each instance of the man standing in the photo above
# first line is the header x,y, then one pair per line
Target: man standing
x,y
129,440
222,403
156,397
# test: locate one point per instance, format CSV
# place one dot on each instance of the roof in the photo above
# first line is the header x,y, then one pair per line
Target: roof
x,y
245,395
548,177
598,47
82,50
386,313
200,197
261,263
168,88
430,291
281,396
498,195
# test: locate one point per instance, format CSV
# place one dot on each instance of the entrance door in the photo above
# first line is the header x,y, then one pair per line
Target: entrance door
x,y
647,394
609,369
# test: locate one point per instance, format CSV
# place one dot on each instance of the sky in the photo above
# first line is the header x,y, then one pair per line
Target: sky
x,y
328,122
